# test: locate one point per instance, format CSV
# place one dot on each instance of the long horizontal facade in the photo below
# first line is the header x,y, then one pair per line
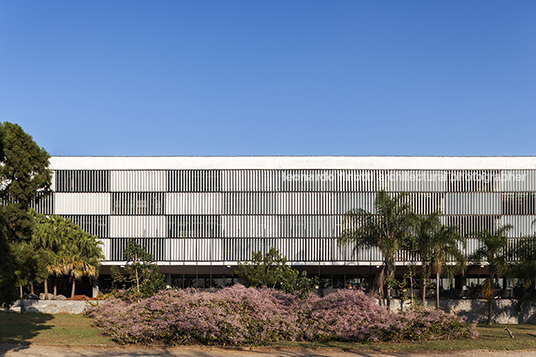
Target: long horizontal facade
x,y
214,211
220,209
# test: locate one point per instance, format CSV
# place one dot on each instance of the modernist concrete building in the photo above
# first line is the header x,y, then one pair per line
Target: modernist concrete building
x,y
198,216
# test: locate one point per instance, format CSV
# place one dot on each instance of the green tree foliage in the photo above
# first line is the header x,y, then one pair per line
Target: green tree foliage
x,y
117,277
31,264
8,278
493,250
69,250
295,282
525,269
271,270
437,244
388,228
525,254
261,269
142,270
24,178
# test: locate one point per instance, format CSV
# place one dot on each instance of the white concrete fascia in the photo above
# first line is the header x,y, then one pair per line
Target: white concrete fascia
x,y
294,162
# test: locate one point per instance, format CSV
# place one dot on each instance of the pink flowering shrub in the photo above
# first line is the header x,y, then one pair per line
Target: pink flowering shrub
x,y
248,316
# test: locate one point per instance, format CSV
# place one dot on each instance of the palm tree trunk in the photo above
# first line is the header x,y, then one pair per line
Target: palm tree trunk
x,y
377,285
490,310
20,288
55,285
490,301
438,275
32,288
45,285
424,282
411,284
72,289
387,288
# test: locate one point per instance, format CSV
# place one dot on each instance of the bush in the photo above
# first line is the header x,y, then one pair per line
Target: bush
x,y
248,316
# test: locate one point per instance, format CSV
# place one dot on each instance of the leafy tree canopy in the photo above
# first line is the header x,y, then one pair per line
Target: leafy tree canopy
x,y
271,270
142,270
24,178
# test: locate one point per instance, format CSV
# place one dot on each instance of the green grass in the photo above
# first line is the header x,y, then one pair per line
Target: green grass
x,y
63,329
491,338
67,329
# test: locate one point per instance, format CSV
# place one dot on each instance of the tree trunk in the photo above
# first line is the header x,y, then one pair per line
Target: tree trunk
x,y
137,281
377,285
387,287
45,285
72,289
490,301
20,286
438,276
424,282
411,284
32,288
490,310
55,285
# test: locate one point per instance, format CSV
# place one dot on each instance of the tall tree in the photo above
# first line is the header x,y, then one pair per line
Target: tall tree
x,y
24,178
493,250
421,246
437,244
387,228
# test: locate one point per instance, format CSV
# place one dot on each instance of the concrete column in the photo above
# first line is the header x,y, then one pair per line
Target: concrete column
x,y
95,289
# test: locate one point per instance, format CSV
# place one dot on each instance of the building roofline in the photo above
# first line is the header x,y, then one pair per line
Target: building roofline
x,y
294,162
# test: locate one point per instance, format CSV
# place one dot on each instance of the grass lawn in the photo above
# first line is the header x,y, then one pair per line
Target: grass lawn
x,y
78,330
491,338
63,329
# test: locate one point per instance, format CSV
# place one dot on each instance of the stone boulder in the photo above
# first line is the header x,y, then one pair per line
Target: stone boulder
x,y
44,296
59,297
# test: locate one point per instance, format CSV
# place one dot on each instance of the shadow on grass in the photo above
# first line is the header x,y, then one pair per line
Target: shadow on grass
x,y
17,330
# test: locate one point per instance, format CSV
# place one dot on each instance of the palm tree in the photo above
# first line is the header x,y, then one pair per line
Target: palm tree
x,y
50,236
525,255
423,248
81,255
493,250
387,228
445,247
78,265
436,244
71,251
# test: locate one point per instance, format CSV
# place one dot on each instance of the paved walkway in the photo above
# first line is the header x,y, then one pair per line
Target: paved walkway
x,y
91,351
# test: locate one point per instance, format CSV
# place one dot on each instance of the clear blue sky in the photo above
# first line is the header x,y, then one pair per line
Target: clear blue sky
x,y
162,78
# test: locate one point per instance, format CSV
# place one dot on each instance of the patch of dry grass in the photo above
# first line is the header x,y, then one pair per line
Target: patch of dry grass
x,y
39,328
